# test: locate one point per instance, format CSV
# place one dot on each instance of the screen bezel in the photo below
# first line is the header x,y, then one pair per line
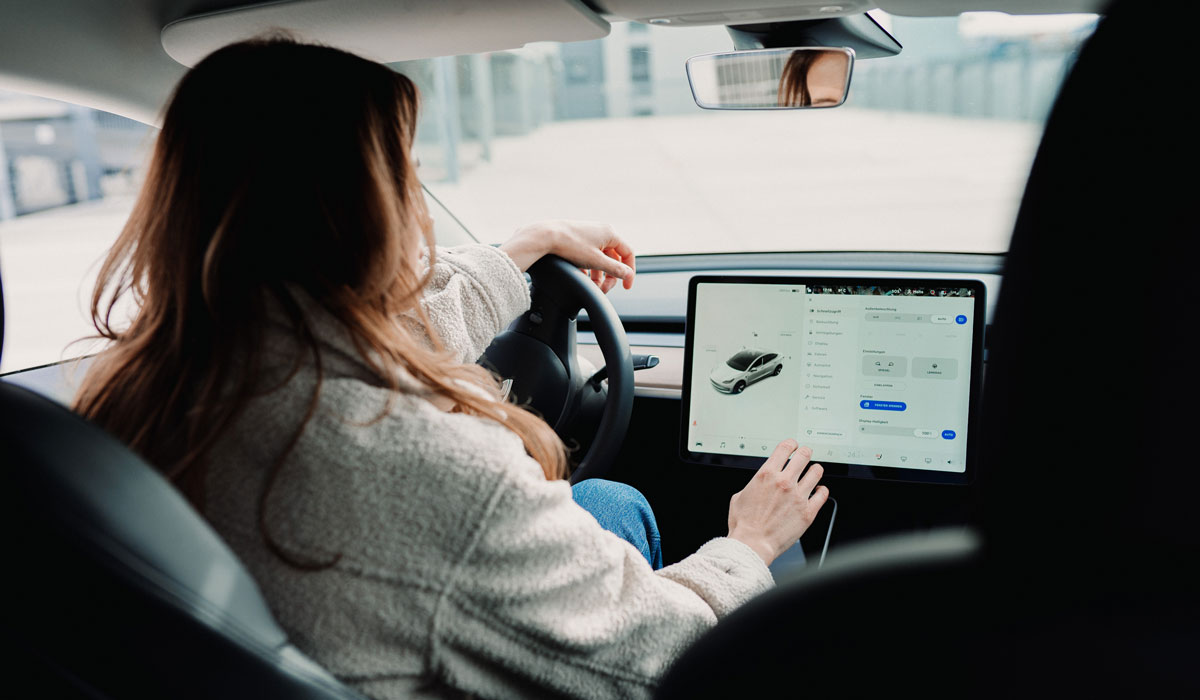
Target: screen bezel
x,y
843,469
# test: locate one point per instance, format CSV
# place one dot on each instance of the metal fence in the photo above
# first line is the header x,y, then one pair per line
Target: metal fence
x,y
52,154
1019,83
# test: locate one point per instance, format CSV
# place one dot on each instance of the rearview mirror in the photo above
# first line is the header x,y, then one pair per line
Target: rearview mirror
x,y
797,78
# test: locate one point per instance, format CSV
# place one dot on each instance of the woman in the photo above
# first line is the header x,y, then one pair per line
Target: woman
x,y
814,78
299,365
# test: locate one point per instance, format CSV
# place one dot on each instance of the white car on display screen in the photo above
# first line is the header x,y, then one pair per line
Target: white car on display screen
x,y
746,367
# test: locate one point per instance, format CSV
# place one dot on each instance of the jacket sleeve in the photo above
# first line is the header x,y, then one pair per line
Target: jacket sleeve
x,y
474,292
546,596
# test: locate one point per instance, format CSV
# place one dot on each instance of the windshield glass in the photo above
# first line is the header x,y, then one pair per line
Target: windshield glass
x,y
742,360
930,152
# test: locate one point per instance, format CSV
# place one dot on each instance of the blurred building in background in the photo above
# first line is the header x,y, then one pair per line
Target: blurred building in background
x,y
52,154
981,65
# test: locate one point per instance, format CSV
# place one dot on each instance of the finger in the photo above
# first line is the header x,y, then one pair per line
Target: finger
x,y
795,466
776,461
613,255
818,498
594,258
621,251
809,481
609,283
595,275
627,281
597,260
590,253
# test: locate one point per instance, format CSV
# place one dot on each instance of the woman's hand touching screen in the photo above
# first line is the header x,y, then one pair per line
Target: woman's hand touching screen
x,y
778,504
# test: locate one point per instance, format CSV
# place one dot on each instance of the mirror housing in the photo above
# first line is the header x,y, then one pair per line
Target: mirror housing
x,y
791,78
859,32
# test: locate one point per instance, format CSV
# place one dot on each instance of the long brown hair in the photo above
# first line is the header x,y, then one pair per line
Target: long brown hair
x,y
793,83
280,166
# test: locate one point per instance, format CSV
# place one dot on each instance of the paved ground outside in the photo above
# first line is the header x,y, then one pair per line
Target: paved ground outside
x,y
764,181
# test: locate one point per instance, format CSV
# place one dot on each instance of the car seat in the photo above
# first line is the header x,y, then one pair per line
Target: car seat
x,y
113,586
1078,576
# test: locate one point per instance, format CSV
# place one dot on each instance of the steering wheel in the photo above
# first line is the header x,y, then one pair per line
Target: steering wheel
x,y
537,352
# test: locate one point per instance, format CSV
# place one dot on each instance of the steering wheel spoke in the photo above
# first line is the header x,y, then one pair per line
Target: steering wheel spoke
x,y
538,353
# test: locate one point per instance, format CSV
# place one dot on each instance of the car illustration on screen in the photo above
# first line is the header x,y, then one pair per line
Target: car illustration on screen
x,y
747,366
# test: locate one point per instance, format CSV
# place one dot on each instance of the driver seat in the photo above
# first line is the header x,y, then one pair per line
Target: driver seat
x,y
114,586
1077,578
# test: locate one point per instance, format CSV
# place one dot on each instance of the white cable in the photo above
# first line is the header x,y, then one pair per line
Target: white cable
x,y
828,532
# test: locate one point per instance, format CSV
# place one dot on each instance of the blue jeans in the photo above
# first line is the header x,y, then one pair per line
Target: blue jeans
x,y
624,511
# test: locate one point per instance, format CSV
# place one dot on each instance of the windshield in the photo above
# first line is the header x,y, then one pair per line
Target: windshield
x,y
742,360
930,152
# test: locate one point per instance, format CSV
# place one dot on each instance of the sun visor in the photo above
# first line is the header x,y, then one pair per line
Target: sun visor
x,y
387,30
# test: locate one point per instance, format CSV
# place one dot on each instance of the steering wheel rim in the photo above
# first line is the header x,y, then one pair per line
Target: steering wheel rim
x,y
538,352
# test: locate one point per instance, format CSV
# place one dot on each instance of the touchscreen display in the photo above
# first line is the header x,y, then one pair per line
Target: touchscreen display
x,y
866,372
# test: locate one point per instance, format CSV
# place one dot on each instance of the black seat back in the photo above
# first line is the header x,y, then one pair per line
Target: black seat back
x,y
1077,580
113,586
1089,401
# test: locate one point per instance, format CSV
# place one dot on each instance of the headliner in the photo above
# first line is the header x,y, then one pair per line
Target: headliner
x,y
111,55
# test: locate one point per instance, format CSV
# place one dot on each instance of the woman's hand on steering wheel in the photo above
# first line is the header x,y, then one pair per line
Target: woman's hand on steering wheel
x,y
592,246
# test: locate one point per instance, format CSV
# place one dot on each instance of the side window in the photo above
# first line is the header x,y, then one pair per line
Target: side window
x,y
447,230
769,357
68,178
754,366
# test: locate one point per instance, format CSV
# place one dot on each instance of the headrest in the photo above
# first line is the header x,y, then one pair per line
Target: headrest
x,y
1087,461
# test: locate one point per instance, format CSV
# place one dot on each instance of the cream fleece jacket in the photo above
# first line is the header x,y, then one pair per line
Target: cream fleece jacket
x,y
458,568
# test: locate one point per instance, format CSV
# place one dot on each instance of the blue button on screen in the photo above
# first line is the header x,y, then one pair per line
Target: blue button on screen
x,y
883,405
948,434
960,319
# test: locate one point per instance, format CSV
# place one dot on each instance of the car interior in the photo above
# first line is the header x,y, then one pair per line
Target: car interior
x,y
1054,554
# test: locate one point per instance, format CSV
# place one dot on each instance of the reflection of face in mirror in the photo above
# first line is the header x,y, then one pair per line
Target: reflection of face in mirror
x,y
814,79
